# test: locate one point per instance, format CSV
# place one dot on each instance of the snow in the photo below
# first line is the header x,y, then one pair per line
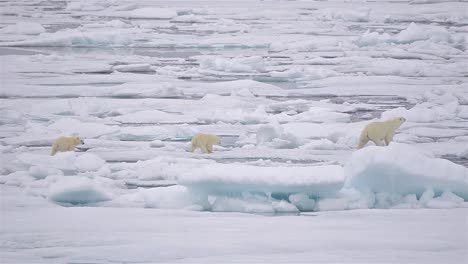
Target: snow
x,y
89,162
153,13
41,172
142,67
400,168
25,28
363,236
77,190
318,181
273,135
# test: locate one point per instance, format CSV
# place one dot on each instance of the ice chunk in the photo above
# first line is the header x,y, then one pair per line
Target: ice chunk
x,y
284,207
256,88
10,117
156,144
175,197
75,37
24,28
273,135
400,168
237,65
62,160
446,200
154,116
75,127
89,162
189,19
153,13
302,201
41,172
138,67
426,112
77,191
247,203
411,34
243,93
463,154
323,144
332,204
356,15
228,178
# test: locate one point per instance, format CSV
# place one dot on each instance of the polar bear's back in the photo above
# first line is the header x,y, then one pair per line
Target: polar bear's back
x,y
381,130
203,139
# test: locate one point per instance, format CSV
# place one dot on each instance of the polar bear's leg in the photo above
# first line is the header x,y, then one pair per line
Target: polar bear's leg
x,y
362,142
388,139
203,149
209,147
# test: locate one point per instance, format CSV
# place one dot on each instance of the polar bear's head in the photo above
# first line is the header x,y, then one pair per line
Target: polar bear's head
x,y
399,120
79,141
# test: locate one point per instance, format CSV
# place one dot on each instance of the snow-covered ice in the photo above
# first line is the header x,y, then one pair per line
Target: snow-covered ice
x,y
287,86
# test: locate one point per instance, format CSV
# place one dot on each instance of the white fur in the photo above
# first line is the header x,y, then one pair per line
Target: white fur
x,y
205,142
378,131
65,144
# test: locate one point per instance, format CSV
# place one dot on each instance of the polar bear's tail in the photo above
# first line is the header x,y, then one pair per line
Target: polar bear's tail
x,y
363,139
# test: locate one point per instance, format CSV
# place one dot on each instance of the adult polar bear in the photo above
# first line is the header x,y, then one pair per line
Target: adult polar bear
x,y
66,144
378,131
205,142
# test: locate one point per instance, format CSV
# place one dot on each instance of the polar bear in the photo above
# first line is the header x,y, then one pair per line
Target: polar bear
x,y
66,144
378,131
205,142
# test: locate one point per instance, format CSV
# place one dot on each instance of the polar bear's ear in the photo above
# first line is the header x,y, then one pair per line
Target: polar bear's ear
x,y
402,119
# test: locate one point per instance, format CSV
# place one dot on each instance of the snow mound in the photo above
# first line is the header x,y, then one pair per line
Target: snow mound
x,y
189,19
24,28
157,144
69,126
62,160
154,116
400,168
89,162
77,38
412,33
273,135
435,108
174,197
236,178
333,14
138,67
41,172
11,117
153,13
256,88
40,166
236,65
77,190
308,73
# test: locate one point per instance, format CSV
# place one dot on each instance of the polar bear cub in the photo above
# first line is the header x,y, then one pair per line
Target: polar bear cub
x,y
378,131
205,142
66,144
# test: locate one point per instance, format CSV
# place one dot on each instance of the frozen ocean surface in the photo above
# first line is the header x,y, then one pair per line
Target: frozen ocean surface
x,y
287,85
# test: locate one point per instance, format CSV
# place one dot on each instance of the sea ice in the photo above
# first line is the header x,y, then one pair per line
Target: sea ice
x,y
77,190
400,168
